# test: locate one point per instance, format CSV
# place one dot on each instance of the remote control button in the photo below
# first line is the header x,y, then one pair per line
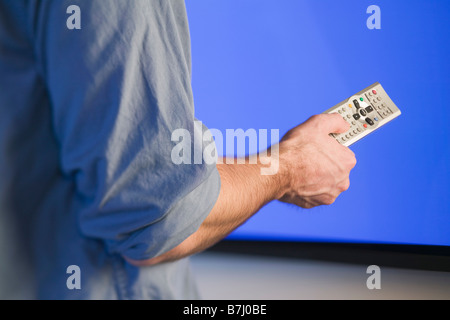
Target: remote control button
x,y
376,119
353,123
356,103
355,132
350,106
365,125
362,99
349,116
356,116
370,121
379,99
363,112
374,91
369,109
359,130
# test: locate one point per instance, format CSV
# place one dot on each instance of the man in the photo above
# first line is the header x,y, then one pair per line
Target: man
x,y
85,142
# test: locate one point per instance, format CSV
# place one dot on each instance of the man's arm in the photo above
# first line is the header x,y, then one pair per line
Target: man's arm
x,y
313,170
243,192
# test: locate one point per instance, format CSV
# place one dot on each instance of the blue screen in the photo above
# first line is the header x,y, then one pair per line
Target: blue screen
x,y
268,64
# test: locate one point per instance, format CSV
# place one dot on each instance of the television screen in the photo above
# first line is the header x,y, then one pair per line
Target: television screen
x,y
263,64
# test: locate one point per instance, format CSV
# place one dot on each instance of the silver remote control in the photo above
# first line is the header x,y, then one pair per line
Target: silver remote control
x,y
366,111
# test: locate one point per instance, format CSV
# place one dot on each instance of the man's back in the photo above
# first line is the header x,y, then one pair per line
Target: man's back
x,y
85,123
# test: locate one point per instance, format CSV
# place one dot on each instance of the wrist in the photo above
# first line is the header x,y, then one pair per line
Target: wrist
x,y
274,168
283,175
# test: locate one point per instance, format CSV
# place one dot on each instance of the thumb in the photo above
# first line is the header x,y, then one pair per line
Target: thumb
x,y
334,123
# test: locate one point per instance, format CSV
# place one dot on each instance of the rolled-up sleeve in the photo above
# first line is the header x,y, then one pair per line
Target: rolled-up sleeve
x,y
119,87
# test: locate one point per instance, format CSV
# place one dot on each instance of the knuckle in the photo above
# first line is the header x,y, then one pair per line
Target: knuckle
x,y
307,206
351,159
344,186
316,118
329,200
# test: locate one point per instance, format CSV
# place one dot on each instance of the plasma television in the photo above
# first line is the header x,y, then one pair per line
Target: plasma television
x,y
263,65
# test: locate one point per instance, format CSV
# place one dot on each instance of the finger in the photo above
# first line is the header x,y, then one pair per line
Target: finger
x,y
334,123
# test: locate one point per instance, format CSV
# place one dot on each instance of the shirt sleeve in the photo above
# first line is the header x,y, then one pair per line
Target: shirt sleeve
x,y
119,87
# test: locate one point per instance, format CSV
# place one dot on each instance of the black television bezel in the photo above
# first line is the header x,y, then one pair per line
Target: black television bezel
x,y
404,256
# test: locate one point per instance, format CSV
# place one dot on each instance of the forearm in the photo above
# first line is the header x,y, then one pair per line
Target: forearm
x,y
244,190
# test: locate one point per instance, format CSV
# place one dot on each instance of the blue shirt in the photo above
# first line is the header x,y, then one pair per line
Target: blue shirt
x,y
86,118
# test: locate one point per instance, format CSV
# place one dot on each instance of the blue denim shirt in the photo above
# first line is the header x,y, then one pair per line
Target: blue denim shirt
x,y
89,99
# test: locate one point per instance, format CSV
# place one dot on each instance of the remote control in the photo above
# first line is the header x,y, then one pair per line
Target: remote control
x,y
366,111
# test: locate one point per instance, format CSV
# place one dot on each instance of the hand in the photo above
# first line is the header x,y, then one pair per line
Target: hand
x,y
315,168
